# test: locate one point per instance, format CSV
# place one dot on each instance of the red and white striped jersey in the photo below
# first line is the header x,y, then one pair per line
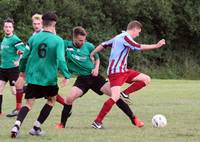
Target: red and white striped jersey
x,y
120,47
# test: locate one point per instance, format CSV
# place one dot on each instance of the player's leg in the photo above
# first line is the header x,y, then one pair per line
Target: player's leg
x,y
2,86
60,99
122,105
50,93
104,86
13,75
20,117
15,111
116,81
44,113
20,90
74,93
137,80
115,90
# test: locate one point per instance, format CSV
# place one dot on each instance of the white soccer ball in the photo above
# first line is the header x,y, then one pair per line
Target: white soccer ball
x,y
159,121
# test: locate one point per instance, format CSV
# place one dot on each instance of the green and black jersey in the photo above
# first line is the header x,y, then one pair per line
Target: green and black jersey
x,y
78,59
9,47
44,58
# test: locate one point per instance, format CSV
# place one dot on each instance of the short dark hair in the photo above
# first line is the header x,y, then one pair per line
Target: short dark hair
x,y
134,24
78,31
9,20
48,18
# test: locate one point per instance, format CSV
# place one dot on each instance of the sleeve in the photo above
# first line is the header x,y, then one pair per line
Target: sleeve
x,y
66,49
132,44
62,65
24,59
107,43
19,45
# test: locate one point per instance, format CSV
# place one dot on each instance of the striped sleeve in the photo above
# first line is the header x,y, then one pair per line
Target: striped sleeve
x,y
108,43
19,45
132,44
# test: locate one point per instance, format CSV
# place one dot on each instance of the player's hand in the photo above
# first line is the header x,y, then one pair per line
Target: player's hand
x,y
160,43
64,82
92,58
19,84
16,63
95,72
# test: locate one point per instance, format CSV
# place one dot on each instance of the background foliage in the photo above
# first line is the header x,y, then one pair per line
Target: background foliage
x,y
176,21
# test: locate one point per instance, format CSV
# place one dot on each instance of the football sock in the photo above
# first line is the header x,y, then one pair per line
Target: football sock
x,y
60,99
19,96
125,108
134,87
1,100
22,113
105,109
65,114
44,113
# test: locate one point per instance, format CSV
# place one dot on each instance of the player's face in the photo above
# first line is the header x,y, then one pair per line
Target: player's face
x,y
79,40
136,32
37,25
8,28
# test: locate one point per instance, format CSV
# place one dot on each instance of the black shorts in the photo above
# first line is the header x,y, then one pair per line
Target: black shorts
x,y
90,82
10,74
37,91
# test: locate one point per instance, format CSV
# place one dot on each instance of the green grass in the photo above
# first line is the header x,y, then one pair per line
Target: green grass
x,y
178,100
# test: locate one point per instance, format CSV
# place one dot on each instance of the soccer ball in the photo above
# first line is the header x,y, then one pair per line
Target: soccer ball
x,y
159,121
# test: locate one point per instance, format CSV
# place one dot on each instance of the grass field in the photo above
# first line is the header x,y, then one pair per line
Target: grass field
x,y
178,100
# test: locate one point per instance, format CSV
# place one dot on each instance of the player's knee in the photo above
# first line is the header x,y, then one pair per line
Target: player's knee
x,y
29,106
69,100
51,101
147,80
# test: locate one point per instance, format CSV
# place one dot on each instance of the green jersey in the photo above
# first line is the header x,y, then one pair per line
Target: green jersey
x,y
78,59
9,47
45,57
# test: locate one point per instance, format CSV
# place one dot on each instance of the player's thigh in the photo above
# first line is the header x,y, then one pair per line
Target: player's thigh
x,y
2,85
4,75
13,89
115,90
13,74
106,89
142,77
51,100
98,85
74,93
30,102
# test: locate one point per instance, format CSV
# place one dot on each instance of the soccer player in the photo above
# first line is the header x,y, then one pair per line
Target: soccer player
x,y
20,83
79,63
118,73
12,48
41,65
37,27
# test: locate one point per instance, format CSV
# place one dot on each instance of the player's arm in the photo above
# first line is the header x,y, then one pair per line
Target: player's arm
x,y
62,66
27,51
137,47
20,47
100,47
153,46
95,71
24,59
22,67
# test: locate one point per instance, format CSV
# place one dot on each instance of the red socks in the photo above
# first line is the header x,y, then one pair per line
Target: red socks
x,y
134,87
19,96
60,99
105,109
